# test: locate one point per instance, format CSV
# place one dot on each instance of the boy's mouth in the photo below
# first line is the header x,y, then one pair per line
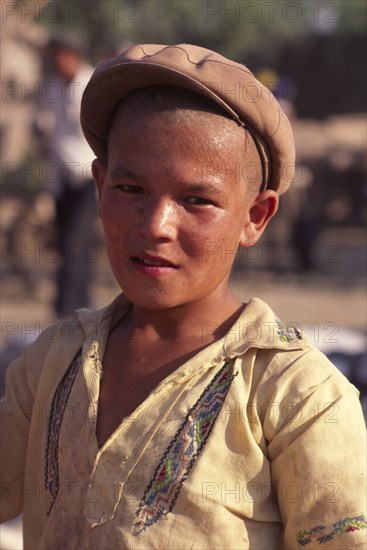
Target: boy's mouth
x,y
152,261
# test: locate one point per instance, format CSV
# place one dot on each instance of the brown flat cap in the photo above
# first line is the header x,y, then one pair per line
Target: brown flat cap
x,y
227,83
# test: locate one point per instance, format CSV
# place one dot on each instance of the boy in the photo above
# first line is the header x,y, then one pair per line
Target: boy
x,y
178,417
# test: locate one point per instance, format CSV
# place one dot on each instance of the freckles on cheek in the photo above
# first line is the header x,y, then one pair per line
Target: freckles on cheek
x,y
112,214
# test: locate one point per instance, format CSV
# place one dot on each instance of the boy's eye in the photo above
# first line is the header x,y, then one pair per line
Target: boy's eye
x,y
198,200
133,189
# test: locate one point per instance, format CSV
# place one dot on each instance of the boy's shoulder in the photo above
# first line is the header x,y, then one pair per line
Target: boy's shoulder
x,y
276,357
51,354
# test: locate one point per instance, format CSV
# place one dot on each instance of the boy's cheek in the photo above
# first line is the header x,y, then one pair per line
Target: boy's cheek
x,y
112,212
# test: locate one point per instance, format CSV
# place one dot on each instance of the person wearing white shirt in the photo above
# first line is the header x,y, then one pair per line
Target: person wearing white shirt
x,y
68,175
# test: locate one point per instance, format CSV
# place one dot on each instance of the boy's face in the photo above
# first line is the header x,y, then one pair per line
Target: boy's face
x,y
175,206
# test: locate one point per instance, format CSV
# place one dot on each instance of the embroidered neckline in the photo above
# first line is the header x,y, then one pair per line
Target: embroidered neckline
x,y
179,458
54,425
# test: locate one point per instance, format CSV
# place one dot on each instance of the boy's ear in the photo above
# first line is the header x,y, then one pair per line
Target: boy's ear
x,y
263,208
99,170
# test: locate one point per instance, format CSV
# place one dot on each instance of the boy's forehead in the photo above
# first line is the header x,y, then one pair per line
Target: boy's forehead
x,y
183,125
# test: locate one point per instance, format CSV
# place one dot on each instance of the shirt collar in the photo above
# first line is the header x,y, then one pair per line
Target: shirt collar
x,y
259,327
256,327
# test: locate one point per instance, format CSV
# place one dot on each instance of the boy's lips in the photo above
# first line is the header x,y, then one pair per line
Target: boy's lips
x,y
148,260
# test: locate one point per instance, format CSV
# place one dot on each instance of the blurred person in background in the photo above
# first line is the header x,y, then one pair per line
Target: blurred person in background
x,y
68,159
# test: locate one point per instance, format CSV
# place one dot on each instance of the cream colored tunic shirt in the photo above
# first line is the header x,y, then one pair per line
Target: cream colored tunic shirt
x,y
257,442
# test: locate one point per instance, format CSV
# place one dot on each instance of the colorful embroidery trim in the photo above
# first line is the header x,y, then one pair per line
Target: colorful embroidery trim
x,y
54,424
347,525
288,333
179,458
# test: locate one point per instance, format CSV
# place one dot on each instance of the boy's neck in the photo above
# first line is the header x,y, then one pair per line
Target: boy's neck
x,y
207,320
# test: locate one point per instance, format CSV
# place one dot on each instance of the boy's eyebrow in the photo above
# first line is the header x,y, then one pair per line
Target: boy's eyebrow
x,y
124,172
128,172
203,187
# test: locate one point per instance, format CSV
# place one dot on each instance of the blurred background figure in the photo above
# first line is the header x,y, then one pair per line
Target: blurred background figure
x,y
68,175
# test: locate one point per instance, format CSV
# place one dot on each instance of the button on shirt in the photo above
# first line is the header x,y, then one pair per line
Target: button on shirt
x,y
256,442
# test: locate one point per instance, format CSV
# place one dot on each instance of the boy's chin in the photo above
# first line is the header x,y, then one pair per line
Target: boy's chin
x,y
153,302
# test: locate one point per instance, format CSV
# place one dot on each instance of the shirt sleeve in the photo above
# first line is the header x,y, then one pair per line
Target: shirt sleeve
x,y
317,447
16,410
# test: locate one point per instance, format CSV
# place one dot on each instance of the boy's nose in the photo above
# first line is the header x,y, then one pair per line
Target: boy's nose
x,y
158,220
